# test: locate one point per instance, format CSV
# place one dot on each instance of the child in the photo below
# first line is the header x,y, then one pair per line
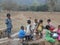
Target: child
x,y
9,25
34,27
50,24
21,34
28,30
58,31
40,27
29,18
48,35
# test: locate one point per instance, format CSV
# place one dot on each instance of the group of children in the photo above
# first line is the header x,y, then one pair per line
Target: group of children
x,y
36,30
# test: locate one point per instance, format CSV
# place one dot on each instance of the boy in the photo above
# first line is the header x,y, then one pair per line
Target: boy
x,y
35,24
21,34
28,30
8,23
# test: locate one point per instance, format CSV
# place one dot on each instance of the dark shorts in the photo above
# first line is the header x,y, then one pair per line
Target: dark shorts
x,y
28,37
8,32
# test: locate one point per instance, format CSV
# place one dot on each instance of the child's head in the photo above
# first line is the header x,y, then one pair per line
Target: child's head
x,y
28,21
35,20
58,26
49,20
41,21
8,15
22,27
47,27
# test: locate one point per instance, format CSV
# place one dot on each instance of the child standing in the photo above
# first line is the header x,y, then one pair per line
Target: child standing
x,y
8,23
34,28
28,30
50,24
35,24
40,27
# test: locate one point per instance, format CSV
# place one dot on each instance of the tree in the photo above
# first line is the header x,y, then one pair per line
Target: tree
x,y
0,5
35,5
51,4
9,5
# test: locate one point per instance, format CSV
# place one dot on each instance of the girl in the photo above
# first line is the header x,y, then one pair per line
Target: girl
x,y
34,28
28,30
58,31
48,35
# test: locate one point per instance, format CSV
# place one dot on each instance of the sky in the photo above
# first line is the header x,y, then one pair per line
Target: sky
x,y
29,2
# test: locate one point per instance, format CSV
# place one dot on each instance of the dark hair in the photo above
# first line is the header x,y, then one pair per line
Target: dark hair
x,y
49,20
47,27
8,14
41,21
29,21
22,27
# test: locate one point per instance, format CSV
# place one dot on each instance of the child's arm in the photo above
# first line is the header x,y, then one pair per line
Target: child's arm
x,y
6,21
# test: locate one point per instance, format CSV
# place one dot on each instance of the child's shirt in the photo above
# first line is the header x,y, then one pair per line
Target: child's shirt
x,y
51,27
40,27
21,34
28,30
34,26
48,37
48,33
8,23
58,31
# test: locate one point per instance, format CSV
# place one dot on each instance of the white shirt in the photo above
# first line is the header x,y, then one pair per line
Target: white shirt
x,y
28,32
34,26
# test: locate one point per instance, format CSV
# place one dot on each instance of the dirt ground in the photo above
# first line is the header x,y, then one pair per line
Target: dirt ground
x,y
19,18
